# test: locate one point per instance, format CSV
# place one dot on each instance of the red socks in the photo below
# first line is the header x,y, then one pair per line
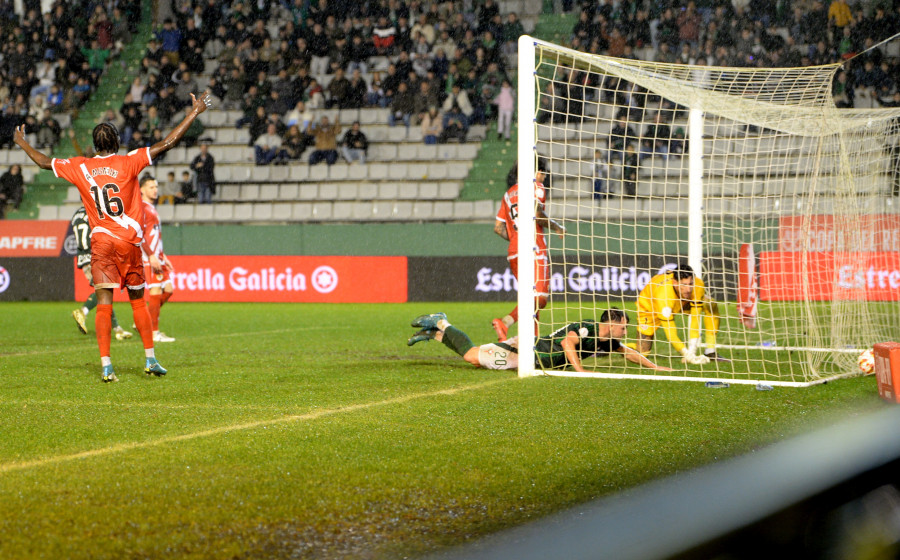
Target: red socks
x,y
154,303
142,321
103,326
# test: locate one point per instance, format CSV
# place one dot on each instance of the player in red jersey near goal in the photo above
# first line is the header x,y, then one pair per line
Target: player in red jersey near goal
x,y
506,227
159,284
108,185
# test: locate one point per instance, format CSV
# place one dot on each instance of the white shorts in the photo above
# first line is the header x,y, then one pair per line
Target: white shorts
x,y
498,356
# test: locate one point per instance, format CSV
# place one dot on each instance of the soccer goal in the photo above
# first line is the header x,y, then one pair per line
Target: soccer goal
x,y
784,205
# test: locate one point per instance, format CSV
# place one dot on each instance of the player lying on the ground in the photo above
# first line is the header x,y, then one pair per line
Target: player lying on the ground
x,y
678,291
565,347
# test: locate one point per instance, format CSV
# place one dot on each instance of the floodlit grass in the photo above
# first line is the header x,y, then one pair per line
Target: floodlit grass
x,y
312,431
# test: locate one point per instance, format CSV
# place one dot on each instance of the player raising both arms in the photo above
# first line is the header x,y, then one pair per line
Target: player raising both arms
x,y
159,284
566,347
506,227
82,230
109,189
678,291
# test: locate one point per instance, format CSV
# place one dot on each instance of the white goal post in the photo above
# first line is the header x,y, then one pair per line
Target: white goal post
x,y
785,206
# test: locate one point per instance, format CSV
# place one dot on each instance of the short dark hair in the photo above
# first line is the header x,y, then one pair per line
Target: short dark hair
x,y
106,138
145,178
613,314
682,271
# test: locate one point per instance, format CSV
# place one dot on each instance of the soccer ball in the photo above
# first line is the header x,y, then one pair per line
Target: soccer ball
x,y
866,362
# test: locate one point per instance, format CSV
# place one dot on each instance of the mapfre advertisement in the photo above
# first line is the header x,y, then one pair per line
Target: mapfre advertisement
x,y
281,279
33,238
864,275
820,233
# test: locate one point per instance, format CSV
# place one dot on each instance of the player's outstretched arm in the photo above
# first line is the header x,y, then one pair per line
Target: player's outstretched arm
x,y
42,160
570,347
638,358
198,105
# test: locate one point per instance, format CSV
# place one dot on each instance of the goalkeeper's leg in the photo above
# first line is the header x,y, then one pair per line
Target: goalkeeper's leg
x,y
710,328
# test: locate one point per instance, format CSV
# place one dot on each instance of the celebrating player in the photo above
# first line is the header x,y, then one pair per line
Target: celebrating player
x,y
159,284
506,227
82,230
110,192
565,347
678,291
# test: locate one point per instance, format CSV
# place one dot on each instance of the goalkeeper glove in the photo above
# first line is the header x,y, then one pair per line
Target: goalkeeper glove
x,y
690,357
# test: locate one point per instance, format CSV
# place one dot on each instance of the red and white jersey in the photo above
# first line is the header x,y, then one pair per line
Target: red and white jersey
x,y
109,190
509,213
153,244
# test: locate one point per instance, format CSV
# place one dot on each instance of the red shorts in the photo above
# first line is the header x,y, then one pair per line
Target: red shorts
x,y
541,274
156,280
116,263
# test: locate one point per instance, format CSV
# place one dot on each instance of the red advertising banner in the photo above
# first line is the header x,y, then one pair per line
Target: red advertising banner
x,y
32,238
872,276
281,279
875,233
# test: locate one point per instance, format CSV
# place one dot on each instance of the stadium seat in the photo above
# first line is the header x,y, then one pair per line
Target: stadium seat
x,y
268,192
463,210
346,191
228,192
318,172
426,152
4,157
279,173
166,212
719,206
50,212
387,152
216,118
68,209
388,191
369,116
262,211
417,171
401,210
223,211
288,191
259,173
243,212
358,172
457,170
423,210
367,191
397,133
371,210
342,211
301,211
72,194
184,213
467,151
249,193
428,190
448,190
407,191
241,173
226,135
328,191
378,171
202,212
484,209
308,191
338,171
437,170
397,172
281,211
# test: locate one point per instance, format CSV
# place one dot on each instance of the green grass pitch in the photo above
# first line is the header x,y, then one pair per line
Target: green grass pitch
x,y
313,431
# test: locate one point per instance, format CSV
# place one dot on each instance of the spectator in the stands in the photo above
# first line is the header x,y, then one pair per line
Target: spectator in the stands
x,y
432,125
136,141
325,135
505,101
455,125
459,98
318,49
204,168
354,145
315,95
402,106
276,104
375,96
188,187
296,142
383,37
338,90
170,190
170,40
358,54
12,189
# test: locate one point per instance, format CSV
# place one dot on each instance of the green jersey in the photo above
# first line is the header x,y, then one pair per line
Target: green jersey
x,y
549,353
82,231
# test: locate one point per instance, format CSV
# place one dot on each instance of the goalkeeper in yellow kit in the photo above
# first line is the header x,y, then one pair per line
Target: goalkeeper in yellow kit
x,y
678,291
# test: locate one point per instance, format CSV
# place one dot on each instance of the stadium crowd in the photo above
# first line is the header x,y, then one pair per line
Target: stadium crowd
x,y
441,66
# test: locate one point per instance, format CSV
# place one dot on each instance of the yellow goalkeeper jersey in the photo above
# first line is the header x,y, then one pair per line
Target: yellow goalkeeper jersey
x,y
658,303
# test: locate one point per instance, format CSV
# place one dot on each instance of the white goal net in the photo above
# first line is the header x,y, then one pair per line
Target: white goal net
x,y
785,206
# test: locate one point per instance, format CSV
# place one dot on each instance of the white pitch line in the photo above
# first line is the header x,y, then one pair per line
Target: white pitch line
x,y
123,447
